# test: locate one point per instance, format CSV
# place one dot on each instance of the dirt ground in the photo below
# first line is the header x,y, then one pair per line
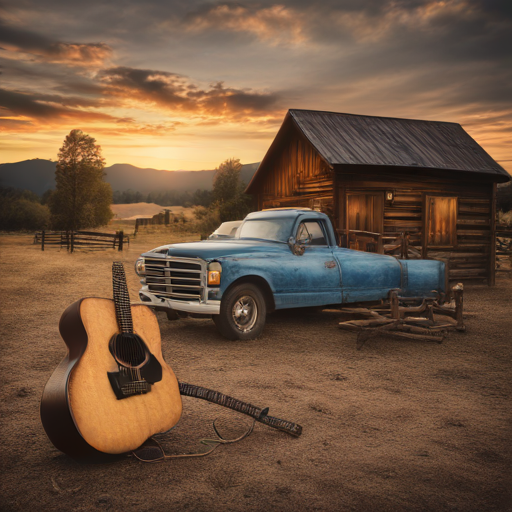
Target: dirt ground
x,y
400,425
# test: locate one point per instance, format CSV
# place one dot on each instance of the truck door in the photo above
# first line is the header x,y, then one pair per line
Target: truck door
x,y
315,278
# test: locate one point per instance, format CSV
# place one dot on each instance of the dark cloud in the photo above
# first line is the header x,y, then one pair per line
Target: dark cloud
x,y
499,9
23,39
444,55
159,87
176,93
81,54
45,107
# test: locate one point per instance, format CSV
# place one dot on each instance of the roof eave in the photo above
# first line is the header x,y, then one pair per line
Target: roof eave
x,y
498,176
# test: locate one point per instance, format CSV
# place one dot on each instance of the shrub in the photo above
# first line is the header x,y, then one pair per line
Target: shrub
x,y
23,214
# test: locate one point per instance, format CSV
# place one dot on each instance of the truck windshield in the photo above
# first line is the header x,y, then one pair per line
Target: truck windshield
x,y
269,229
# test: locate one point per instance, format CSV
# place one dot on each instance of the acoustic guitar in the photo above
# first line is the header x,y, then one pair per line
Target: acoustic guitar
x,y
113,390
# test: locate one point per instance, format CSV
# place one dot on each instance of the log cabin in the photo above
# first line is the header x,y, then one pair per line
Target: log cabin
x,y
405,187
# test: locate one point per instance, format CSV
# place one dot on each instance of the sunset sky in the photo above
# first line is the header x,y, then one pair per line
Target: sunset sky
x,y
186,84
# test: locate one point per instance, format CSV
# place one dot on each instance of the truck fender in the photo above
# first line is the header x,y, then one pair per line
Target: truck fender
x,y
261,283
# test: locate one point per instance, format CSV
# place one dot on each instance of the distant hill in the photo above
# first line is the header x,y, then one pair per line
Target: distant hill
x,y
35,175
39,175
147,210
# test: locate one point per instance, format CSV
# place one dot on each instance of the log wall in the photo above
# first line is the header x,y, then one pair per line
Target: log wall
x,y
297,176
471,256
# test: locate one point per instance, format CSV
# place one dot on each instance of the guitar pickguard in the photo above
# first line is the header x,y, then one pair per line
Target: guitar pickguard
x,y
135,379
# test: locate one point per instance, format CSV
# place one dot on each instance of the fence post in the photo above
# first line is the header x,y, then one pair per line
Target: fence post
x,y
121,240
115,238
72,241
42,240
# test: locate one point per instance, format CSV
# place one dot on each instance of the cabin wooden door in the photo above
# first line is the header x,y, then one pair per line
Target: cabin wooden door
x,y
365,215
365,211
440,221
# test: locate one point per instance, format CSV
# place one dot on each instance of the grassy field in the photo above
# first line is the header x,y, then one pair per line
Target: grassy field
x,y
398,426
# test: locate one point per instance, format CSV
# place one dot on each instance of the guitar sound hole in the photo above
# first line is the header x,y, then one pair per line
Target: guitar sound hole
x,y
128,349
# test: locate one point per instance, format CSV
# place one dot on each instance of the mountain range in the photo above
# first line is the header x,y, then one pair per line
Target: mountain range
x,y
38,175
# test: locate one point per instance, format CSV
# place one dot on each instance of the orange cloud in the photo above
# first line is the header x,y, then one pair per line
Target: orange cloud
x,y
92,54
276,24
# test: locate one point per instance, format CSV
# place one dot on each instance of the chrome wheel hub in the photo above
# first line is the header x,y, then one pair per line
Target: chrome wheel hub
x,y
245,313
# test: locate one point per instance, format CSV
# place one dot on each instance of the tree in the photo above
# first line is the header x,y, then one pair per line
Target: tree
x,y
228,191
82,197
21,210
208,220
29,215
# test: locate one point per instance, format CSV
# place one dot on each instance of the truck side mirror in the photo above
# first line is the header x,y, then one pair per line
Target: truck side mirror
x,y
305,241
296,246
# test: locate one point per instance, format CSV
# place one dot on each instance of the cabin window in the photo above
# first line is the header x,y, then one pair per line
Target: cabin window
x,y
441,221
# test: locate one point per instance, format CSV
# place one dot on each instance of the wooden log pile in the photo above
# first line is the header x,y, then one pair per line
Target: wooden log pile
x,y
430,321
504,249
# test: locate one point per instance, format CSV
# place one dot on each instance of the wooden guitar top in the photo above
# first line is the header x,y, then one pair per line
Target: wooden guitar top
x,y
116,426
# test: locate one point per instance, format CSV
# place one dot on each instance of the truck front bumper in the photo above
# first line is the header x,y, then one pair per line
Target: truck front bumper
x,y
210,307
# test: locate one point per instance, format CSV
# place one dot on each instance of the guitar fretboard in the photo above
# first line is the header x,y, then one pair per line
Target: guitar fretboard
x,y
121,298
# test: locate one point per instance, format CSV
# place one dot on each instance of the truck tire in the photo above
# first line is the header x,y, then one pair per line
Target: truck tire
x,y
172,315
243,313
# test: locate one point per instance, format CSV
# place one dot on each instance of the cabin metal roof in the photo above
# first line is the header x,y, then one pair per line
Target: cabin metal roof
x,y
348,139
344,139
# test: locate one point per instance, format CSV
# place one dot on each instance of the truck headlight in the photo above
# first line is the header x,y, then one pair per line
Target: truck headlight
x,y
214,272
140,267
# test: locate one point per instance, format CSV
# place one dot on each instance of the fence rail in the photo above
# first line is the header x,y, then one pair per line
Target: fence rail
x,y
73,240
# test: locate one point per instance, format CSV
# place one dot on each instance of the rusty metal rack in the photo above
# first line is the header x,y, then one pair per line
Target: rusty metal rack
x,y
429,321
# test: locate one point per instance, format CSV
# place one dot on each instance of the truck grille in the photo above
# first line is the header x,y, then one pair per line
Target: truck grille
x,y
176,278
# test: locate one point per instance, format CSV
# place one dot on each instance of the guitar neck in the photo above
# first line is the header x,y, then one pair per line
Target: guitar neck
x,y
121,298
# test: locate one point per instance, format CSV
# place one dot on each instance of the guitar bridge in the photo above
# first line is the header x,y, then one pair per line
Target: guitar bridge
x,y
139,387
124,387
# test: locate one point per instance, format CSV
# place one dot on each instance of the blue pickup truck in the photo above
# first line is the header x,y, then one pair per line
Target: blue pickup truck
x,y
279,259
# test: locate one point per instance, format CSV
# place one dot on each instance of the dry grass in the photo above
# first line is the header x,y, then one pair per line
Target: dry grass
x,y
397,426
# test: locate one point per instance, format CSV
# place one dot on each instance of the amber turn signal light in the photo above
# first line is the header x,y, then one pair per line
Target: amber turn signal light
x,y
213,277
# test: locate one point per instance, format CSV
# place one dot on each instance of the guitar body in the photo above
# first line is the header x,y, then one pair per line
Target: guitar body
x,y
79,409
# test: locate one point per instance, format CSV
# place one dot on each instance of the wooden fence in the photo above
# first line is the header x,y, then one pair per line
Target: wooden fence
x,y
402,245
158,219
73,240
406,245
